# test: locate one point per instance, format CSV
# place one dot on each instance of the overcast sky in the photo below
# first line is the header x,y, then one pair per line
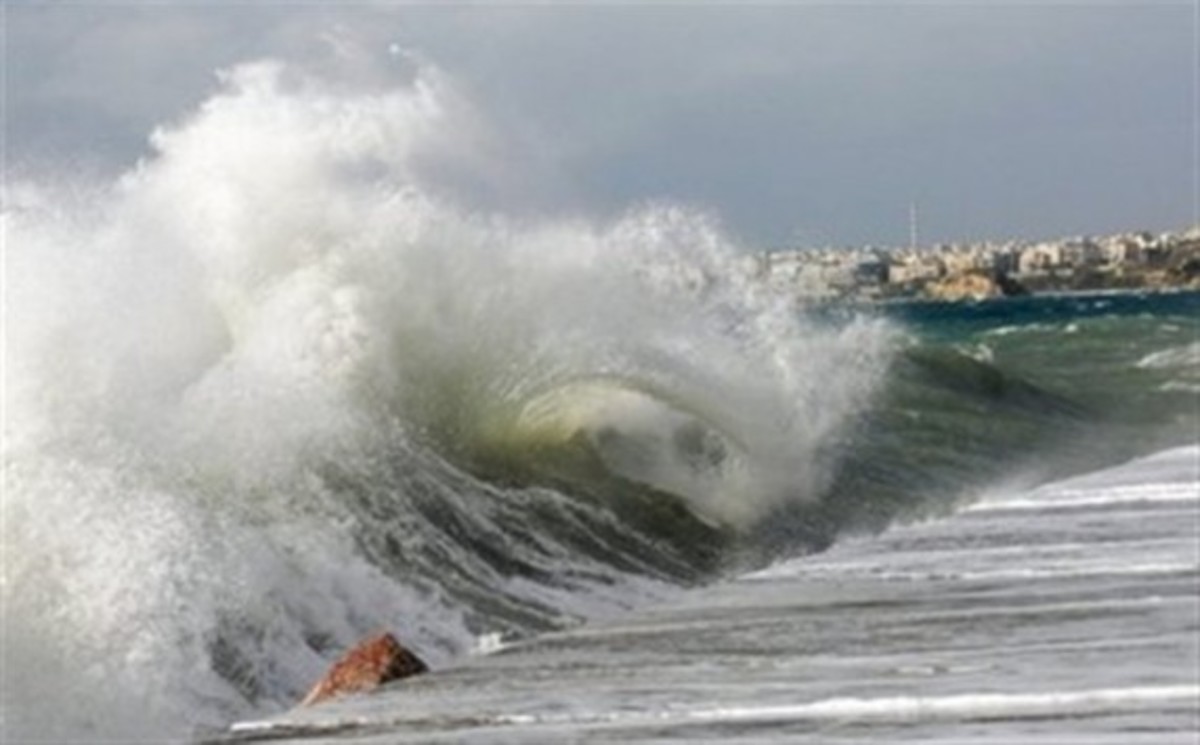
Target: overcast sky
x,y
811,122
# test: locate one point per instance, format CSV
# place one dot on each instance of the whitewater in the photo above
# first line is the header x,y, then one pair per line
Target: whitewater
x,y
1063,614
286,382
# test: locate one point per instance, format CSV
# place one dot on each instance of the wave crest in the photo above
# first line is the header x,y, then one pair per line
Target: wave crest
x,y
287,357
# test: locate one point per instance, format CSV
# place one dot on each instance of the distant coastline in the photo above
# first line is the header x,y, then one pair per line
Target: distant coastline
x,y
1139,261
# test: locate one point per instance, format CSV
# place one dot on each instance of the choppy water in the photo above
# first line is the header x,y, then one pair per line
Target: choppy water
x,y
1068,613
281,385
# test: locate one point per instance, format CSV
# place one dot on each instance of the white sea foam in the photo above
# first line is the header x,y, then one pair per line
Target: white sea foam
x,y
911,709
1128,495
967,706
1186,356
291,286
1182,361
1168,482
1170,476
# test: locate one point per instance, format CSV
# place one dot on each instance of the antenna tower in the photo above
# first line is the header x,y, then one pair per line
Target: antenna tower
x,y
912,225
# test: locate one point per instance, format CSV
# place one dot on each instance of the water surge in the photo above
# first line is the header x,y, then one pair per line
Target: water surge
x,y
278,385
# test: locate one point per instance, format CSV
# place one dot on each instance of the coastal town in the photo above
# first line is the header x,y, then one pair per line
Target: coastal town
x,y
964,271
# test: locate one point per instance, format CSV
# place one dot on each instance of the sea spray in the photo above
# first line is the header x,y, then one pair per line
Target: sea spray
x,y
279,385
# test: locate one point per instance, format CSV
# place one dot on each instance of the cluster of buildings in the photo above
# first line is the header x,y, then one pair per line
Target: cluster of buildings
x,y
877,273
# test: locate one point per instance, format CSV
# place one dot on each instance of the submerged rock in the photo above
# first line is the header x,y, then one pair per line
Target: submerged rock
x,y
374,661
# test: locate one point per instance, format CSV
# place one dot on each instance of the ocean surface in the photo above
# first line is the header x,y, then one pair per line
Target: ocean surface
x,y
279,386
1064,614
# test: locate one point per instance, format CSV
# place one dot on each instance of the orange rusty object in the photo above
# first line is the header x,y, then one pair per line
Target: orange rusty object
x,y
374,661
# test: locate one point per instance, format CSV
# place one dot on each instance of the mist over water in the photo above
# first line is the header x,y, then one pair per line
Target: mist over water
x,y
283,383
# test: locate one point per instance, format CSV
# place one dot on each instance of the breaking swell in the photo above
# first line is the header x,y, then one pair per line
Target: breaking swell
x,y
276,387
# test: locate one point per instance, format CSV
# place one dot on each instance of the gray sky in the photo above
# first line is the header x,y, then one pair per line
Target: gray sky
x,y
817,122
